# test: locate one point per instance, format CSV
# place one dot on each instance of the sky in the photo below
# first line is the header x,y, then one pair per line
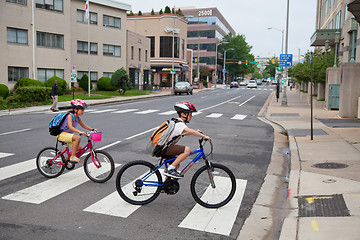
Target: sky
x,y
252,18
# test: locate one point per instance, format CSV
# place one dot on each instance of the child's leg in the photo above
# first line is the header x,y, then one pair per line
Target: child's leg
x,y
76,144
181,157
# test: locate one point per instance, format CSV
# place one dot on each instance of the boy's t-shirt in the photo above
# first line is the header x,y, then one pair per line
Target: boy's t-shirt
x,y
179,128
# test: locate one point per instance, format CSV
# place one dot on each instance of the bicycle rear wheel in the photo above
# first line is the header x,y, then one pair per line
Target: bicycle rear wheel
x,y
48,165
217,194
132,188
104,168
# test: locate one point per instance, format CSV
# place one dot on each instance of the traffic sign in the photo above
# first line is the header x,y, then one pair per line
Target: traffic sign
x,y
172,71
285,60
224,70
73,77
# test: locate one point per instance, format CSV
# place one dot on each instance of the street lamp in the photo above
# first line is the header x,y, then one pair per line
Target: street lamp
x,y
282,37
353,33
327,43
337,40
216,55
224,69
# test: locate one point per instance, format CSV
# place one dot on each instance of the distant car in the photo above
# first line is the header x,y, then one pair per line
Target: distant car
x,y
252,84
234,85
183,87
258,81
243,83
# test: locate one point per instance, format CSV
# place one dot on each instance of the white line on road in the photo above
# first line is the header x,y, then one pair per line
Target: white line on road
x,y
22,130
126,111
105,110
168,113
18,168
239,117
214,115
136,135
109,145
218,104
246,101
2,154
147,111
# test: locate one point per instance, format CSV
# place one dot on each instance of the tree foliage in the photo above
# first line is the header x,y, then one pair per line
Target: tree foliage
x,y
84,83
271,66
167,9
121,80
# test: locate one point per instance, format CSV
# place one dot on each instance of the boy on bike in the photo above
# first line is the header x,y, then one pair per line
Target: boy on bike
x,y
69,127
184,109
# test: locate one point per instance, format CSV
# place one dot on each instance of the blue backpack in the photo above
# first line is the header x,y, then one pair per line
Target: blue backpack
x,y
56,122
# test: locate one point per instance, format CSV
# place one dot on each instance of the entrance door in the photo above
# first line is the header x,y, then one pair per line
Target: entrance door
x,y
334,96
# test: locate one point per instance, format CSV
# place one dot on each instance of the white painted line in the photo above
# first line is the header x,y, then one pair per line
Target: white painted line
x,y
218,104
147,111
218,220
22,130
109,145
126,111
90,110
136,135
196,113
17,169
203,97
2,154
246,101
105,110
168,113
214,115
239,117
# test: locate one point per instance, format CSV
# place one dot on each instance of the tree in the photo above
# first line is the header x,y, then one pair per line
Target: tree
x,y
179,12
205,71
120,79
84,84
167,9
152,12
140,13
271,66
131,13
161,11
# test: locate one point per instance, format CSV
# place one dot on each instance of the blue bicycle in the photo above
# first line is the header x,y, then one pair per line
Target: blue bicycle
x,y
212,186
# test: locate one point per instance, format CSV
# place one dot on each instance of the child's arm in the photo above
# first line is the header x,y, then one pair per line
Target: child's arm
x,y
189,131
83,125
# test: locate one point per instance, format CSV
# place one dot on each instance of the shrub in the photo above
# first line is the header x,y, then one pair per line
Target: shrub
x,y
104,84
84,83
25,82
13,99
33,94
4,91
62,84
120,79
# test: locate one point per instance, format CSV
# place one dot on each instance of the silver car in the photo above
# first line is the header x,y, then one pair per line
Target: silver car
x,y
183,87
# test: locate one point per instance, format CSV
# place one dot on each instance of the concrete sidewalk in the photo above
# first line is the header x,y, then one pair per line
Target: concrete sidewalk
x,y
324,185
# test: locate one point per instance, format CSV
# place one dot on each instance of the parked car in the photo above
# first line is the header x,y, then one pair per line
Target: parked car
x,y
243,83
183,87
252,84
234,85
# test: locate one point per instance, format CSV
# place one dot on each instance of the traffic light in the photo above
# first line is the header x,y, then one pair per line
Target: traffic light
x,y
258,63
273,61
195,60
246,62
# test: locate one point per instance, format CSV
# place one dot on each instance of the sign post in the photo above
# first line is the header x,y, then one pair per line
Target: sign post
x,y
73,78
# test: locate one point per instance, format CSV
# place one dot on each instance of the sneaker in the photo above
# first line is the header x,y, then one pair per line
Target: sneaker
x,y
173,173
75,159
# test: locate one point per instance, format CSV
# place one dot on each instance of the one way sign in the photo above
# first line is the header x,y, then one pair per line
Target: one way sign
x,y
285,60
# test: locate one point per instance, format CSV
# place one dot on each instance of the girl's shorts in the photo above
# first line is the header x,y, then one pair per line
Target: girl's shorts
x,y
66,137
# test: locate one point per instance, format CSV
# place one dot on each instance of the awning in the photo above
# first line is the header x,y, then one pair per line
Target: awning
x,y
354,8
321,35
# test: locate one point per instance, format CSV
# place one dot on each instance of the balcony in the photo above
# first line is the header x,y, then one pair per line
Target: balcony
x,y
321,35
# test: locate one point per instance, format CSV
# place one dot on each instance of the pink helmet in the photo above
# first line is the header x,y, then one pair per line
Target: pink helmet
x,y
78,103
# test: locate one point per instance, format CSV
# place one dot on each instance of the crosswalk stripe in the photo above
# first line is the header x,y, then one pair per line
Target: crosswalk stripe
x,y
168,113
91,110
18,168
239,117
214,115
218,220
126,111
147,111
2,154
105,110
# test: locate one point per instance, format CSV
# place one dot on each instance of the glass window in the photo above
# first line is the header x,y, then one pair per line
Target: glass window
x,y
17,36
331,3
17,73
107,74
331,24
139,54
82,47
338,20
80,17
132,52
182,49
109,21
345,14
22,2
166,47
43,74
326,7
152,46
210,47
111,50
146,55
93,76
54,5
50,40
204,33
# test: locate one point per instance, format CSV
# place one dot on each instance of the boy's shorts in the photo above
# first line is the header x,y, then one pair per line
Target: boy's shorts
x,y
66,137
173,151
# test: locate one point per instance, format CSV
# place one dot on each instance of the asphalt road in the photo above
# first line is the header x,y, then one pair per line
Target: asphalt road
x,y
244,144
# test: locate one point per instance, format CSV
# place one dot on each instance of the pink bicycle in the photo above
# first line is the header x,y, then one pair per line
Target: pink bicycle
x,y
98,165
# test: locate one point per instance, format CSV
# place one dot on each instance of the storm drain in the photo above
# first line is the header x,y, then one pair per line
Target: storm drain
x,y
330,165
322,206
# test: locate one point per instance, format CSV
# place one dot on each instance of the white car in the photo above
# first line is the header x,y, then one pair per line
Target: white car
x,y
252,84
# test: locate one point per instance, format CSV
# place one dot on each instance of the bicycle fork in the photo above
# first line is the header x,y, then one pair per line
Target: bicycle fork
x,y
95,159
210,173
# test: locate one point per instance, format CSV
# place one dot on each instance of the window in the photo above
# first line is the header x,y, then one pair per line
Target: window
x,y
15,35
139,54
351,45
331,3
111,22
326,7
107,74
152,46
210,47
111,50
331,24
17,73
82,47
146,55
166,47
54,5
182,48
203,33
80,16
22,2
345,14
44,74
132,52
93,76
50,40
338,20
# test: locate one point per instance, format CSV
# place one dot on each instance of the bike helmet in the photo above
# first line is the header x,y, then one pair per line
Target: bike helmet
x,y
185,107
78,103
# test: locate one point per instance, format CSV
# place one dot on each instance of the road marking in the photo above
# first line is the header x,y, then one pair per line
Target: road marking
x,y
218,220
17,169
246,101
216,105
105,110
214,115
22,130
168,112
126,110
109,145
239,117
2,154
136,135
314,225
147,111
91,110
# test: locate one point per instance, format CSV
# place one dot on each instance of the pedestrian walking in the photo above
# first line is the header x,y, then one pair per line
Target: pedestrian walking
x,y
54,96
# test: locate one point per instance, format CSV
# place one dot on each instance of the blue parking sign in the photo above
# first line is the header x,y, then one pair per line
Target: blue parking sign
x,y
285,60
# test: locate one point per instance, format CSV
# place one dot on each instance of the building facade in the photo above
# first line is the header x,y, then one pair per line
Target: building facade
x,y
52,37
207,27
160,29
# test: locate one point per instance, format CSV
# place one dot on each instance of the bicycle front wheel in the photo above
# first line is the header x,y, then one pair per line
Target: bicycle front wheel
x,y
100,167
137,184
48,164
213,187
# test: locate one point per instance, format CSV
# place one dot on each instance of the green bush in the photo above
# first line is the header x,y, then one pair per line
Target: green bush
x,y
13,99
62,84
104,84
84,83
4,91
33,94
25,82
121,80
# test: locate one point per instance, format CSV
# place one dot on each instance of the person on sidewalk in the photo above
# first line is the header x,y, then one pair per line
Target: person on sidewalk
x,y
54,96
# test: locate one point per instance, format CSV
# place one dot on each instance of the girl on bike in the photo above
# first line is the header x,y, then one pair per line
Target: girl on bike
x,y
69,127
184,110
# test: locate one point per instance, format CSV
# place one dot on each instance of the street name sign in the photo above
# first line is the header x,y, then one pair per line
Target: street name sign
x,y
285,60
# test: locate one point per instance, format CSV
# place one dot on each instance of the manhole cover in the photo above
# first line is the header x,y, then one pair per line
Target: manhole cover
x,y
330,165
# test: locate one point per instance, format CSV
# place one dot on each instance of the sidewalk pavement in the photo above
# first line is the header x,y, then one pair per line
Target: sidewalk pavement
x,y
322,203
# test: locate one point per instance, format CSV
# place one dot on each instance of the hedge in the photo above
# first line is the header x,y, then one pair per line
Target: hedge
x,y
104,84
4,91
25,82
62,85
33,94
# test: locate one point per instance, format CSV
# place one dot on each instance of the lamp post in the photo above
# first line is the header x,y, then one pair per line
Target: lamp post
x,y
353,36
216,55
173,60
284,98
224,69
337,40
327,43
282,37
